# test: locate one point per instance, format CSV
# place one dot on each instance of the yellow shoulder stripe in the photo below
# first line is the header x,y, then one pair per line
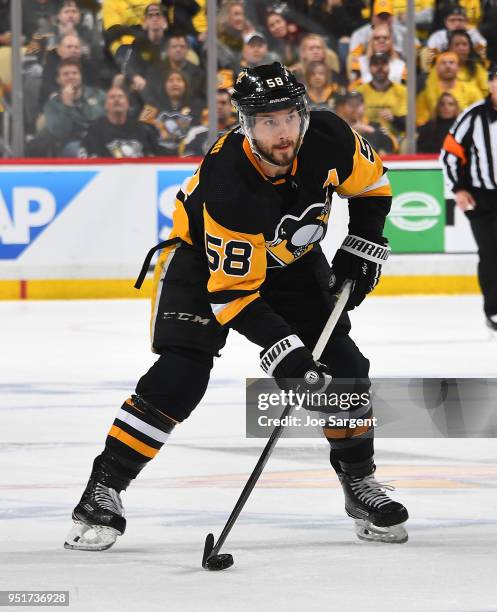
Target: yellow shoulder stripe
x,y
367,175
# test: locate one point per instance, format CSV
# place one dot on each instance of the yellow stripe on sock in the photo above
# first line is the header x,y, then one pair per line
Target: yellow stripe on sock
x,y
139,447
337,433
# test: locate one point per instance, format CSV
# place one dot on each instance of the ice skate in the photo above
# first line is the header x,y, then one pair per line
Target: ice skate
x,y
377,517
99,516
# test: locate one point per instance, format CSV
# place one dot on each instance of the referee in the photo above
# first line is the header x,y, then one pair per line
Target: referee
x,y
469,156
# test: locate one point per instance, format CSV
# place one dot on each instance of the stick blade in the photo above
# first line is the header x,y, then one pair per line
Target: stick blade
x,y
208,548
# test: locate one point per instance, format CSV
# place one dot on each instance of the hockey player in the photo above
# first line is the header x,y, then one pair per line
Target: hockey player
x,y
244,254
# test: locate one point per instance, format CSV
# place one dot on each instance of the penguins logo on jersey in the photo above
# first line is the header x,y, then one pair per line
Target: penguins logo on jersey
x,y
294,235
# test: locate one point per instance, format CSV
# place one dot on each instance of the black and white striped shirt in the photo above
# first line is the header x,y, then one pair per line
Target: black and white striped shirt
x,y
469,151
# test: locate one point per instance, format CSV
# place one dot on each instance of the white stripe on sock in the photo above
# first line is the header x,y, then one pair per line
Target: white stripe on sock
x,y
145,428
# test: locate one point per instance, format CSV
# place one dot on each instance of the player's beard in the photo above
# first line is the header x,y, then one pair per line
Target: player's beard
x,y
278,157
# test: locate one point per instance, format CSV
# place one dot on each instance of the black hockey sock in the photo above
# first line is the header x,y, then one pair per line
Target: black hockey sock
x,y
356,457
138,433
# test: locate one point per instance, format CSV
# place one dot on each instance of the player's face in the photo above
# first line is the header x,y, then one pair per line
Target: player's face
x,y
277,135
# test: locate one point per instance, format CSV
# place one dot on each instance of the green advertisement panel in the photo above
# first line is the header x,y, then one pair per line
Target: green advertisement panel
x,y
416,223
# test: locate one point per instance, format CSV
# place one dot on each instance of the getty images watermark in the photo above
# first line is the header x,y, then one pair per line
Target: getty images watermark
x,y
344,406
314,409
393,407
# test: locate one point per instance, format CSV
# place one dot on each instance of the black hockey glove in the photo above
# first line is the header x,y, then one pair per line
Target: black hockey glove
x,y
292,366
359,260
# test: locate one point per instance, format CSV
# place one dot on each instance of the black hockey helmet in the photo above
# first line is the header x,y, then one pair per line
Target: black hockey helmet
x,y
265,89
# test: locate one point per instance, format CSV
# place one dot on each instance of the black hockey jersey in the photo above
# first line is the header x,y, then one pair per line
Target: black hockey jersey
x,y
248,224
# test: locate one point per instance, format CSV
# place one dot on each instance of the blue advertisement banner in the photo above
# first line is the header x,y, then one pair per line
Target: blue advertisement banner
x,y
30,202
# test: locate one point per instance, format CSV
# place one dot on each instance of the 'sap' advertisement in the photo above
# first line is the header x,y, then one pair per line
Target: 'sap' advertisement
x,y
30,202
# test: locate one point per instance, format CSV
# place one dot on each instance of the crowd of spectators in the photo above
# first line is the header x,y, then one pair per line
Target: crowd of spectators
x,y
127,78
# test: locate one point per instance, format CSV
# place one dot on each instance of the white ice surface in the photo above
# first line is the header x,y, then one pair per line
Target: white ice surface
x,y
65,368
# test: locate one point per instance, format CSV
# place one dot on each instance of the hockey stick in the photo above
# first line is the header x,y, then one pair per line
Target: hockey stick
x,y
211,559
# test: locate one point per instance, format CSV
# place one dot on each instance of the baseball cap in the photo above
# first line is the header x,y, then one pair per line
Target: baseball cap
x,y
353,95
382,6
455,9
379,58
254,37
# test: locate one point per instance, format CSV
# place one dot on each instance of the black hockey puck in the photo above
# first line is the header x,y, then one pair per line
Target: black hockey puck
x,y
219,562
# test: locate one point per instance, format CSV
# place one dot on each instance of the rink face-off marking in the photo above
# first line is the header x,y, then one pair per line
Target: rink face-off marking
x,y
293,545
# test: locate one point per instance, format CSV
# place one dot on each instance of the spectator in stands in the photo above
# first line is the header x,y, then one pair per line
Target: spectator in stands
x,y
122,23
386,102
116,134
177,59
68,21
232,25
382,15
322,92
488,28
284,34
148,52
381,42
39,16
182,13
69,47
255,52
69,112
172,113
196,143
5,33
313,49
444,78
471,68
351,108
455,19
199,23
423,13
339,18
432,134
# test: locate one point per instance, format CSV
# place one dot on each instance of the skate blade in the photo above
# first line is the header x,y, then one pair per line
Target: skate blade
x,y
90,537
396,534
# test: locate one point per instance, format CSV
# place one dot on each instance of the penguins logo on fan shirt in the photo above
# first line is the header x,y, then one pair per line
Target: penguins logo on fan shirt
x,y
173,126
294,235
125,148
